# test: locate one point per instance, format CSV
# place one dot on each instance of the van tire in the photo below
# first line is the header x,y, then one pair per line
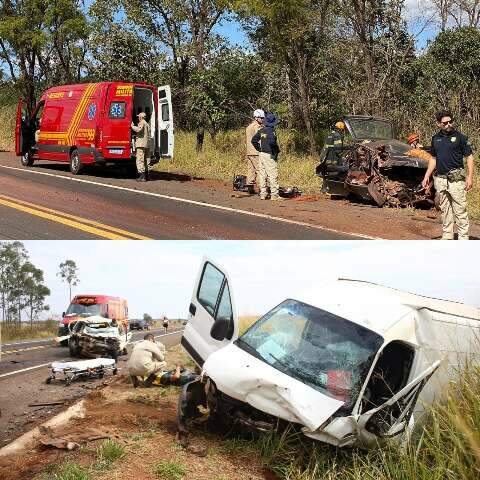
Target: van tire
x,y
26,159
76,165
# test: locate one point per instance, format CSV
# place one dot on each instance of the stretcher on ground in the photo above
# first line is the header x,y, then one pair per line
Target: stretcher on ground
x,y
70,371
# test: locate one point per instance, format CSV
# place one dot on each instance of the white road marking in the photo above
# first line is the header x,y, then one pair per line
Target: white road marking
x,y
200,204
48,364
25,370
25,342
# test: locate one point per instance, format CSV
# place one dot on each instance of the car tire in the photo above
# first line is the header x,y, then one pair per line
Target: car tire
x,y
27,159
73,350
48,381
76,166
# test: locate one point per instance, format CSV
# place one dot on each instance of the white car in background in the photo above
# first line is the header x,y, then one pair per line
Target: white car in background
x,y
352,366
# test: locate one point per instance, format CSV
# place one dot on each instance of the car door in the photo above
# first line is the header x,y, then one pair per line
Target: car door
x,y
21,127
213,322
165,122
393,417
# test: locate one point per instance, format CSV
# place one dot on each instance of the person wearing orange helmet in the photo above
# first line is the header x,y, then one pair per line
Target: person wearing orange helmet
x,y
414,140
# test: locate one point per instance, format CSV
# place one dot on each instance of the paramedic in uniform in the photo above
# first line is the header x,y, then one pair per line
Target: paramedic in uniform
x,y
449,148
147,359
141,146
252,153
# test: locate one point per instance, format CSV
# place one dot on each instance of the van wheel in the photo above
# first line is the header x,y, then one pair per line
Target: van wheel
x,y
27,159
76,165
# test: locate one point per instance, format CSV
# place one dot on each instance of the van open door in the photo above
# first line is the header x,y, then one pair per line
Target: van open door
x,y
20,128
393,417
165,122
213,321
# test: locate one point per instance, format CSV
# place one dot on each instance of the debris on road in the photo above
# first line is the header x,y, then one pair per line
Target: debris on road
x,y
52,404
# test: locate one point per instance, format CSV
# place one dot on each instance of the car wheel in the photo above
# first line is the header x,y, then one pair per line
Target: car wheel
x,y
76,165
48,381
27,159
73,349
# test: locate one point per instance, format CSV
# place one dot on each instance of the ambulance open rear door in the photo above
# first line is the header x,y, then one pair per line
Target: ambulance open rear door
x,y
165,122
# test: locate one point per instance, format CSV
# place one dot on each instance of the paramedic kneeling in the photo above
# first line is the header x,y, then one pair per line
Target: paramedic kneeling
x,y
141,146
449,148
148,359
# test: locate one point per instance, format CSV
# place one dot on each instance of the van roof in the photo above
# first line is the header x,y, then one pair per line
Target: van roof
x,y
378,307
83,86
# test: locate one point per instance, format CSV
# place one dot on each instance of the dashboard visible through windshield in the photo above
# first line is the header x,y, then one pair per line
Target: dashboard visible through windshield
x,y
322,350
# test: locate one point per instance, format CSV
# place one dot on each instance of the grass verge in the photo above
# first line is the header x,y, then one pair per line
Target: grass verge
x,y
446,448
170,470
25,331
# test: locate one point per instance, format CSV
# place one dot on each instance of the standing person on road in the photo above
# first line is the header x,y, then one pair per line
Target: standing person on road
x,y
265,142
147,359
449,148
252,154
141,146
165,324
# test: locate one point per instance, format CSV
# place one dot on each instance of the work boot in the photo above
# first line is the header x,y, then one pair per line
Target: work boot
x,y
142,178
148,383
135,381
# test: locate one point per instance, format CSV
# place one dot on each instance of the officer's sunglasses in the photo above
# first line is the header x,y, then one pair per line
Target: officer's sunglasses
x,y
449,122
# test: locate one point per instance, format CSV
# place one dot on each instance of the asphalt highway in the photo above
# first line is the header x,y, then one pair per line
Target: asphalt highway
x,y
47,202
24,367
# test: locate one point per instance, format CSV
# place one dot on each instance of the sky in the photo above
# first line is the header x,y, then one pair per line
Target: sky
x,y
159,277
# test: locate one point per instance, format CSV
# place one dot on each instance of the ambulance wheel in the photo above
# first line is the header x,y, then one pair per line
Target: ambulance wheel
x,y
27,159
76,165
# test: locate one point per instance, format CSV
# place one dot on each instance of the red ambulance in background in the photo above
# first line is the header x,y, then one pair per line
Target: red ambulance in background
x,y
90,123
84,306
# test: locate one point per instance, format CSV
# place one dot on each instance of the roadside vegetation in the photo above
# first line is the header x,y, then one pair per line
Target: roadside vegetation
x,y
26,331
446,448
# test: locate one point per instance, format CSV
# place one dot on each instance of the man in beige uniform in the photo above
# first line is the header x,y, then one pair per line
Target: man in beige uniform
x,y
252,154
148,359
141,146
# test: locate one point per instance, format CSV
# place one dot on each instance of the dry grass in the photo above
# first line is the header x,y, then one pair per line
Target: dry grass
x,y
25,331
246,322
7,127
225,157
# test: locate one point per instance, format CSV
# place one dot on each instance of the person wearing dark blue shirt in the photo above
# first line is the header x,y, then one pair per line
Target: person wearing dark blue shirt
x,y
449,149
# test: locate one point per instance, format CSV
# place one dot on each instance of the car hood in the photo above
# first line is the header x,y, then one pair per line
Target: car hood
x,y
246,378
400,154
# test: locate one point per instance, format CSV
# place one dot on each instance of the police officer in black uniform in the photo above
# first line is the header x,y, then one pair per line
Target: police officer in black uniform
x,y
449,149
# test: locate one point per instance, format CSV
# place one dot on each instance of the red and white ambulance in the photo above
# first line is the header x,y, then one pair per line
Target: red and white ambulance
x,y
90,123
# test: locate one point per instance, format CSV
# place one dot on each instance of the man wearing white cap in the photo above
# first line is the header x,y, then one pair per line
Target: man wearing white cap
x,y
141,146
252,154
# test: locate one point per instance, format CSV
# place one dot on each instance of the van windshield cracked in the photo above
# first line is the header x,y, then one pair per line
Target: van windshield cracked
x,y
320,349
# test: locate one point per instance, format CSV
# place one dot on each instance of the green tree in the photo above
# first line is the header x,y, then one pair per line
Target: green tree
x,y
42,42
148,318
69,274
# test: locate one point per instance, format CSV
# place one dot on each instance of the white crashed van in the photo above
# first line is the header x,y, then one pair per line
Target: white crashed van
x,y
353,364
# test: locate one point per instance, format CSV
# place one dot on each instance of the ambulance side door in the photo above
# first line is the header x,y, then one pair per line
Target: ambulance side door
x,y
165,122
213,322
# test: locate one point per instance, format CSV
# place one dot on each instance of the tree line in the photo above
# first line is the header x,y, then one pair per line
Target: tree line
x,y
310,61
23,292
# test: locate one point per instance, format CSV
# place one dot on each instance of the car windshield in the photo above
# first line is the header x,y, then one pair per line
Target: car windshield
x,y
322,350
84,310
371,129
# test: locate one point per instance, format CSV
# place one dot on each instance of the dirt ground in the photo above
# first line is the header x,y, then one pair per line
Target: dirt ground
x,y
143,421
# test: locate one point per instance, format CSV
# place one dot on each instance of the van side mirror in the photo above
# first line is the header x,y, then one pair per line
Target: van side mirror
x,y
63,314
220,328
